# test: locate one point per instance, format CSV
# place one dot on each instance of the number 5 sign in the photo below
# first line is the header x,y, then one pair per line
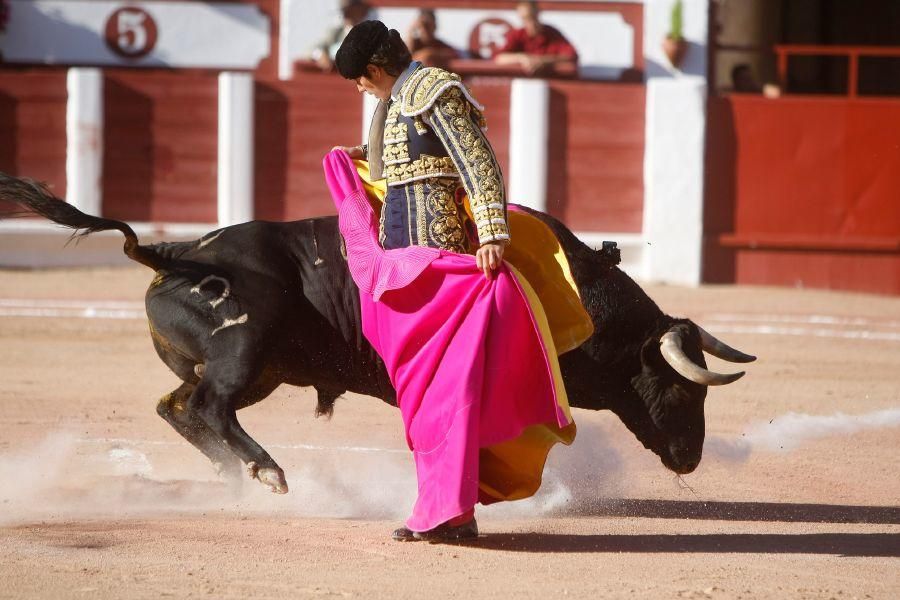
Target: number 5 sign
x,y
131,32
138,33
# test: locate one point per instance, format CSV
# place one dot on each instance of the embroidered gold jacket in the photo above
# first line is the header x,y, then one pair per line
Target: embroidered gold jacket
x,y
433,144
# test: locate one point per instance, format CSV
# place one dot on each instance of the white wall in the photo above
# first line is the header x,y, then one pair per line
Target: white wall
x,y
84,139
674,146
529,130
189,34
235,151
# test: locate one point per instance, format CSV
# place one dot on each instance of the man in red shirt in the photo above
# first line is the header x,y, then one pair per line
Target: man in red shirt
x,y
424,45
536,47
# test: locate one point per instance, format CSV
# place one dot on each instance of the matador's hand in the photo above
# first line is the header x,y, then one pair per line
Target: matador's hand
x,y
352,151
489,257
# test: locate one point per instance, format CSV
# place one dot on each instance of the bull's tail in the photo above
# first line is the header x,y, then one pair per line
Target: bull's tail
x,y
34,198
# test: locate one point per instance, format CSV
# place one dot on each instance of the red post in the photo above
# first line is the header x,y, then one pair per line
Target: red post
x,y
853,73
782,68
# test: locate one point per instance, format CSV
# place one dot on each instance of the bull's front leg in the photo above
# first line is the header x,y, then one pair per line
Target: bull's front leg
x,y
173,408
222,390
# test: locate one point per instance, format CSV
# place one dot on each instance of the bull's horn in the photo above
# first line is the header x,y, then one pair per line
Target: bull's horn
x,y
670,348
720,349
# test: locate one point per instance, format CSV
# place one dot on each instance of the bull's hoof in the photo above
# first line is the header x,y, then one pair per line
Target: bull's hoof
x,y
273,478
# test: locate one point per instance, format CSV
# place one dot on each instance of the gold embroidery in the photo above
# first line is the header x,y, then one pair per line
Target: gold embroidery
x,y
421,217
482,174
446,229
396,139
492,231
395,154
396,132
421,127
421,89
381,234
424,166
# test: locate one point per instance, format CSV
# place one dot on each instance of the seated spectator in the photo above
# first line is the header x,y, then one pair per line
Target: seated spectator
x,y
424,45
352,12
535,46
743,81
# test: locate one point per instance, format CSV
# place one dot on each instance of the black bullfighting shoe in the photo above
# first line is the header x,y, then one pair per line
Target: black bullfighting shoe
x,y
449,533
404,534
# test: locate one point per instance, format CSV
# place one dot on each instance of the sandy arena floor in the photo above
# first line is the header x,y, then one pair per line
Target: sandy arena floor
x,y
796,497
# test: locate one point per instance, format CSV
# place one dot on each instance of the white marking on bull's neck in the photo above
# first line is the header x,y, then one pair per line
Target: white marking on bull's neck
x,y
225,293
204,242
229,322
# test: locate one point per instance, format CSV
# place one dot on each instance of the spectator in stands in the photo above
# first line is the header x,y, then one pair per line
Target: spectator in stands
x,y
4,19
535,46
352,12
743,81
4,14
424,45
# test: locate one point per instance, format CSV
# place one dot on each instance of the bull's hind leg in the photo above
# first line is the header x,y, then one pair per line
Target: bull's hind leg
x,y
216,399
173,408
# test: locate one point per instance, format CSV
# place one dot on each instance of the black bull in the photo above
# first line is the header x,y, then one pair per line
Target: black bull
x,y
249,307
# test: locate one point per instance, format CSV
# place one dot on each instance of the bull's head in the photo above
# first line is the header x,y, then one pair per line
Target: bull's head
x,y
672,388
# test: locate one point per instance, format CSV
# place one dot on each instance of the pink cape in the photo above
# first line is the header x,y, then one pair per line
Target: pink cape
x,y
465,354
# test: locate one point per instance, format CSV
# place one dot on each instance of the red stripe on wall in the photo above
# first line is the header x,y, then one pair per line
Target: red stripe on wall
x,y
297,123
596,159
804,190
33,125
160,146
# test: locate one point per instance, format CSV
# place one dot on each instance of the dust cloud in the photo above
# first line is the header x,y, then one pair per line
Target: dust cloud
x,y
64,476
792,430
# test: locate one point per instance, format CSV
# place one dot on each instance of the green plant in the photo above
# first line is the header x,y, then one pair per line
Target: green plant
x,y
676,30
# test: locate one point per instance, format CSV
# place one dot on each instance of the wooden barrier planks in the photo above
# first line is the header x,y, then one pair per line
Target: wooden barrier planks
x,y
33,125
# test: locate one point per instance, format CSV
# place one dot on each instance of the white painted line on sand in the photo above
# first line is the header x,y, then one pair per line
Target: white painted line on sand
x,y
127,441
53,303
802,319
806,332
855,328
73,313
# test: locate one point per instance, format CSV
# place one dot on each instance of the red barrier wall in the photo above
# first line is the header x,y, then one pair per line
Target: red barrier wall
x,y
160,146
297,123
804,191
33,125
595,177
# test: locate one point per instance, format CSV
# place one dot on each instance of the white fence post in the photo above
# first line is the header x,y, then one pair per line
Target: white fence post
x,y
673,179
235,160
369,104
84,139
529,127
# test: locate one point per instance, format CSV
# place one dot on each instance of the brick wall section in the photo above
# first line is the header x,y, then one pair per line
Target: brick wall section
x,y
596,173
160,145
33,125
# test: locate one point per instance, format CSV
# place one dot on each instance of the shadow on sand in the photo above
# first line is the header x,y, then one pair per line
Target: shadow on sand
x,y
744,511
839,544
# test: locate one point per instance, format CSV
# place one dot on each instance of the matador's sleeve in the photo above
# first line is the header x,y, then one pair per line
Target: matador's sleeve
x,y
458,125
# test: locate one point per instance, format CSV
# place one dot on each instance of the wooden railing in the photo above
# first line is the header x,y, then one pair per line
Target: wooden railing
x,y
852,53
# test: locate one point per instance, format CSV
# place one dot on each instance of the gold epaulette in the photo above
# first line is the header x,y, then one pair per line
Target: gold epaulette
x,y
422,89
